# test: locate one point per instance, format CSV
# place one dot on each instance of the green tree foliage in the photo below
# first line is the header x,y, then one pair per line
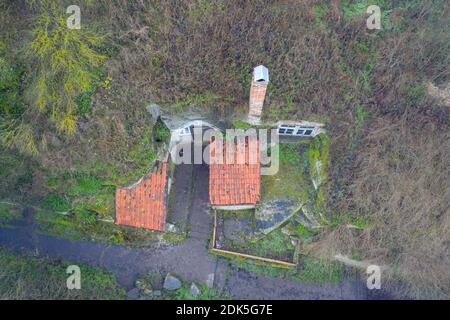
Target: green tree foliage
x,y
66,60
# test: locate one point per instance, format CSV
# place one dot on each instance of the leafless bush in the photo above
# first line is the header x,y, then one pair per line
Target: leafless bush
x,y
401,187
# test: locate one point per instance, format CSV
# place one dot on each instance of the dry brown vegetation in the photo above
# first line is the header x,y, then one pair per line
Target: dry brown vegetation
x,y
401,188
389,149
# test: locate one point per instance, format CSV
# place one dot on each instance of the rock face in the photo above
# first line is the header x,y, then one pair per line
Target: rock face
x,y
171,282
272,214
171,227
194,290
155,111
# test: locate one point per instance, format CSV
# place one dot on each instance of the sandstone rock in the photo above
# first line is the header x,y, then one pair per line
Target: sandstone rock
x,y
270,215
171,282
194,290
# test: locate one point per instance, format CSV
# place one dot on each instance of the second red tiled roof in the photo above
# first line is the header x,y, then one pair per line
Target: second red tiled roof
x,y
236,182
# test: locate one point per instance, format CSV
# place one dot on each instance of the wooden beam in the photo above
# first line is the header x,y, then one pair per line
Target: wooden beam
x,y
248,256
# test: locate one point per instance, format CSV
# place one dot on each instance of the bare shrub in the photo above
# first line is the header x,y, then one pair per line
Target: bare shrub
x,y
175,49
401,186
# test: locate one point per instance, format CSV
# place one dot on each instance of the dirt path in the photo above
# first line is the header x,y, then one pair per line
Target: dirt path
x,y
190,259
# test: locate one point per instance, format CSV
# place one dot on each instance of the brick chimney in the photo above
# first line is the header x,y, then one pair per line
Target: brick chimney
x,y
260,79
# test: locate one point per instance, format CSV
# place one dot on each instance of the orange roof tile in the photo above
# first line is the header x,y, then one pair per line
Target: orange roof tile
x,y
235,182
142,204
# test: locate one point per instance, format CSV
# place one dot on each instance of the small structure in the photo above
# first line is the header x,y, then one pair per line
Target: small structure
x,y
143,204
260,80
235,184
290,128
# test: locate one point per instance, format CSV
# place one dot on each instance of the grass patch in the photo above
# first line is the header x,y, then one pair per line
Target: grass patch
x,y
319,13
304,233
85,184
259,267
235,235
312,270
275,244
347,218
160,132
239,124
23,277
82,226
318,271
197,99
56,202
87,194
175,238
9,212
206,293
290,179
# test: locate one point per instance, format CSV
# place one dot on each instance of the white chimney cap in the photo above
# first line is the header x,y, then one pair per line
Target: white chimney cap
x,y
261,74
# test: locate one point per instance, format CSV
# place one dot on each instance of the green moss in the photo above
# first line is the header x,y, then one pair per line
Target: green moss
x,y
318,154
289,181
161,132
318,161
303,232
239,124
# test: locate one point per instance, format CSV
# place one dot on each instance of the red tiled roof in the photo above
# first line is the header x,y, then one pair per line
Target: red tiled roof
x,y
142,205
235,183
